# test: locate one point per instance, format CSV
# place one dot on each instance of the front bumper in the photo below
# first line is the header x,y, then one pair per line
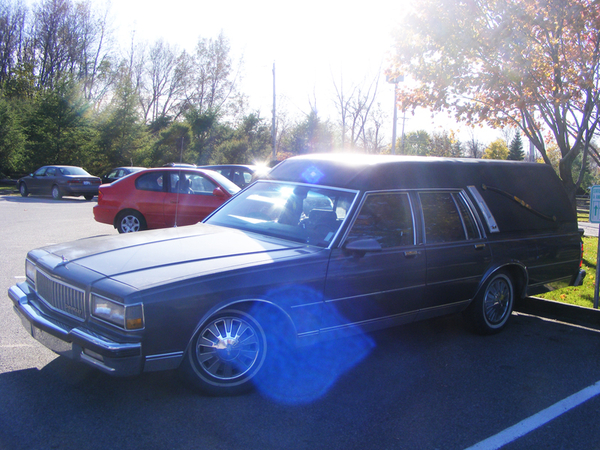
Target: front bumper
x,y
114,358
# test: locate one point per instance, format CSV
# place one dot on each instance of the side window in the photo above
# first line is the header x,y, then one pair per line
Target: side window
x,y
387,218
51,172
468,219
201,185
152,181
238,177
191,183
447,218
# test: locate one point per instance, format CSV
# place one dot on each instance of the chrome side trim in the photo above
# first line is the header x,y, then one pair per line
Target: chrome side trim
x,y
165,361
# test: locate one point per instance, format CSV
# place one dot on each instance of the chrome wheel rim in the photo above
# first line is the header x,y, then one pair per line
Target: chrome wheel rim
x,y
55,193
228,348
497,301
130,224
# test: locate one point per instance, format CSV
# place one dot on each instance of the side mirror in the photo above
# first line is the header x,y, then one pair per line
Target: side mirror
x,y
363,246
218,192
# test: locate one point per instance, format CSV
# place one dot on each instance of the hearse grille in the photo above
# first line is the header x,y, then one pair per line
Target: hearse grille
x,y
60,296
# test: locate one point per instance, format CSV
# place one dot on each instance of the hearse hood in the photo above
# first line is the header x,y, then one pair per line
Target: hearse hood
x,y
151,258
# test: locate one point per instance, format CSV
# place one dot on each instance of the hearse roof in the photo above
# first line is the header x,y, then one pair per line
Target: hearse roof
x,y
506,186
373,172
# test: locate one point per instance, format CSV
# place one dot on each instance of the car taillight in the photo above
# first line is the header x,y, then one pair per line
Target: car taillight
x,y
100,195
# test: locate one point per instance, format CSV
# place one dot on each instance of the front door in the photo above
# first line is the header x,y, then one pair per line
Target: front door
x,y
384,283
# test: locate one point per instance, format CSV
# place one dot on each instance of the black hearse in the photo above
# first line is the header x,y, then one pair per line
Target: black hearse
x,y
327,245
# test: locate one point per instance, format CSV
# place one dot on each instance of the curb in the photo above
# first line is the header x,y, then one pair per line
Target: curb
x,y
577,315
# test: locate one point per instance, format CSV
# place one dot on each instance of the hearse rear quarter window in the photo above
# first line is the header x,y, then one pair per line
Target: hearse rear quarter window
x,y
447,217
386,218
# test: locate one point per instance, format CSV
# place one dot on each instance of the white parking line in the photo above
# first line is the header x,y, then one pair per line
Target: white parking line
x,y
537,420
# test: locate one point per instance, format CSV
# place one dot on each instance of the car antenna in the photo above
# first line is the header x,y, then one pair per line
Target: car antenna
x,y
178,184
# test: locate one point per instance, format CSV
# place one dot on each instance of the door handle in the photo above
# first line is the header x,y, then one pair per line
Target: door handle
x,y
479,246
411,254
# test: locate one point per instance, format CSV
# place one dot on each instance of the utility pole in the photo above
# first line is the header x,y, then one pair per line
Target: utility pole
x,y
395,81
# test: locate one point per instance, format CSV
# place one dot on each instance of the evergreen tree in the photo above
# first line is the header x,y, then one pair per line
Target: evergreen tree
x,y
12,140
516,149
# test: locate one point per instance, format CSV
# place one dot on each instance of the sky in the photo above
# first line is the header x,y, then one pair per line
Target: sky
x,y
312,44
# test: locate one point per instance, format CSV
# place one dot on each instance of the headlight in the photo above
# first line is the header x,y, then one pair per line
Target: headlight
x,y
129,317
30,272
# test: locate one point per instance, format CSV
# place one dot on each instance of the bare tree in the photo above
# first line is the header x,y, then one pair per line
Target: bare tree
x,y
95,59
372,139
12,28
164,84
355,111
474,147
213,81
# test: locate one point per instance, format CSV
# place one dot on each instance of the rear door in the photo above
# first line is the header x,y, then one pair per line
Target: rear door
x,y
457,252
190,198
149,198
384,283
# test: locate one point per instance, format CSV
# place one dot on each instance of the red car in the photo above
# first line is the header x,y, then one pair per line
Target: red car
x,y
162,197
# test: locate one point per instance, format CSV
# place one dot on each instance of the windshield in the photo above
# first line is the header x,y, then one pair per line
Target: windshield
x,y
301,213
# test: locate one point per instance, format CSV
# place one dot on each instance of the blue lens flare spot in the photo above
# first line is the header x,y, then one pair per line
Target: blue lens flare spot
x,y
312,175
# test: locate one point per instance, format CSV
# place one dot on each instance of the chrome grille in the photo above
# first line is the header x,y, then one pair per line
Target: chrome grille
x,y
60,296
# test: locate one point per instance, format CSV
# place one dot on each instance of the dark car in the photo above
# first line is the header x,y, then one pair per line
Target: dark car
x,y
240,174
119,172
162,197
328,245
59,181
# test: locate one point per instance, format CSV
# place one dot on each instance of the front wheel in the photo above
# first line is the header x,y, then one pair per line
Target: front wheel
x,y
130,222
23,190
226,353
490,310
56,195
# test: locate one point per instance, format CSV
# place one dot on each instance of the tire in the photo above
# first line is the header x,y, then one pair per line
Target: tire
x,y
56,195
88,197
23,190
490,310
226,353
130,222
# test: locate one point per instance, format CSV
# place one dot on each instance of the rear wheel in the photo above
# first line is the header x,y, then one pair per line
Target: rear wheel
x,y
490,310
130,222
23,190
88,197
226,353
56,195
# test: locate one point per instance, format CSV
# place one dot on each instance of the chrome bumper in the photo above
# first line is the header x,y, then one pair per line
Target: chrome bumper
x,y
114,358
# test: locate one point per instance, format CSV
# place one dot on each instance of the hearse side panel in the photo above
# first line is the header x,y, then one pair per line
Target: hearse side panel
x,y
556,256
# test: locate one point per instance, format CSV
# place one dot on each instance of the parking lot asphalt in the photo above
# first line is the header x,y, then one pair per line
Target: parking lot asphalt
x,y
431,385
